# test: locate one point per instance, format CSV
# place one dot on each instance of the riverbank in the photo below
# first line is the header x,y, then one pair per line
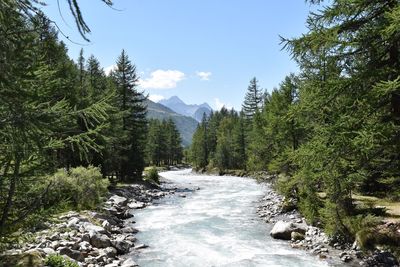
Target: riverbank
x,y
89,238
288,224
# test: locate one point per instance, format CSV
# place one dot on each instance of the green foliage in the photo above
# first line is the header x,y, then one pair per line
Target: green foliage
x,y
163,143
220,141
132,130
58,114
56,260
152,176
83,188
253,99
186,125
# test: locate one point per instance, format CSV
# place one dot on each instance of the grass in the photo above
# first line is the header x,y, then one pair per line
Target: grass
x,y
391,208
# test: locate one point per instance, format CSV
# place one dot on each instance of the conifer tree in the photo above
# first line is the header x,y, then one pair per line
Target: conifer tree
x,y
134,124
350,96
38,111
253,99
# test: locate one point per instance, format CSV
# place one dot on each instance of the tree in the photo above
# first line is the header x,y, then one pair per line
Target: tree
x,y
37,92
350,100
253,99
31,7
134,123
199,149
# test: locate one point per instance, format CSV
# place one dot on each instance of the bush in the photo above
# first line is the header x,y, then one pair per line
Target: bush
x,y
56,260
152,176
82,188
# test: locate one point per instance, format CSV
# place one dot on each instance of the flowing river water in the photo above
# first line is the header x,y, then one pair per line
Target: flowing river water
x,y
214,226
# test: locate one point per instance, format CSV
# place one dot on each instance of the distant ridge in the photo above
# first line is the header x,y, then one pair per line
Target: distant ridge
x,y
186,125
180,107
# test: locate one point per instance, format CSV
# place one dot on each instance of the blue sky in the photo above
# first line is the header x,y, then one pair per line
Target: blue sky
x,y
202,51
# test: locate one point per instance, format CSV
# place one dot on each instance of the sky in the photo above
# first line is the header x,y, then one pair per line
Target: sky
x,y
199,50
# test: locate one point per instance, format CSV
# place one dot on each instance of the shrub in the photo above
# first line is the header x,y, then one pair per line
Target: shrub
x,y
56,260
152,176
81,187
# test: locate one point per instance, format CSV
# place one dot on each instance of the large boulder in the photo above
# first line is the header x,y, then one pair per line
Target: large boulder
x,y
117,200
73,254
99,240
110,252
129,263
136,205
283,230
121,245
94,228
73,222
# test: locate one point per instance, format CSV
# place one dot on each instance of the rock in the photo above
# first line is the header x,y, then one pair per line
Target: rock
x,y
110,252
324,250
131,238
84,246
294,236
91,227
110,218
54,237
141,246
68,215
106,225
73,254
85,237
129,230
129,263
49,251
117,200
283,230
54,244
323,256
122,246
136,205
73,223
346,258
99,240
385,259
124,215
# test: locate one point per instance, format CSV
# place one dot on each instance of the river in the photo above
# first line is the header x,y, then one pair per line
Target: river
x,y
214,226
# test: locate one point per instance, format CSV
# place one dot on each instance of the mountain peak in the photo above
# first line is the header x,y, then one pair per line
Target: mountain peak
x,y
206,105
173,100
180,107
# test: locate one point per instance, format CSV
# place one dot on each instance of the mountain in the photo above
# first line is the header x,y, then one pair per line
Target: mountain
x,y
180,107
186,125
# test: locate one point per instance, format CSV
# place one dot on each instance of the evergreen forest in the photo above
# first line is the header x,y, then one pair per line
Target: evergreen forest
x,y
330,132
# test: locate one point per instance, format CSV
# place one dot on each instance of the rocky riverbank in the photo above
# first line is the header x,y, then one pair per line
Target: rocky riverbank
x,y
90,238
288,224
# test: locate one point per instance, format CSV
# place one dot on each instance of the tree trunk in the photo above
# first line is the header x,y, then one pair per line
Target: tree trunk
x,y
11,193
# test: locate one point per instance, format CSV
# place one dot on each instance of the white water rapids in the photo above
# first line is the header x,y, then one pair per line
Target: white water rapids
x,y
214,226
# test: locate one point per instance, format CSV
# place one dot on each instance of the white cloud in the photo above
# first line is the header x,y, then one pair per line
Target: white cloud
x,y
156,98
205,76
162,79
219,104
108,69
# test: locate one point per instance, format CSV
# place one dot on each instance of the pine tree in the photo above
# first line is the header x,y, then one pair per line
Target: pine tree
x,y
134,123
253,99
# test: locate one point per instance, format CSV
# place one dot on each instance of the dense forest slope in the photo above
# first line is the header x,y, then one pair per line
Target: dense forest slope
x,y
185,125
